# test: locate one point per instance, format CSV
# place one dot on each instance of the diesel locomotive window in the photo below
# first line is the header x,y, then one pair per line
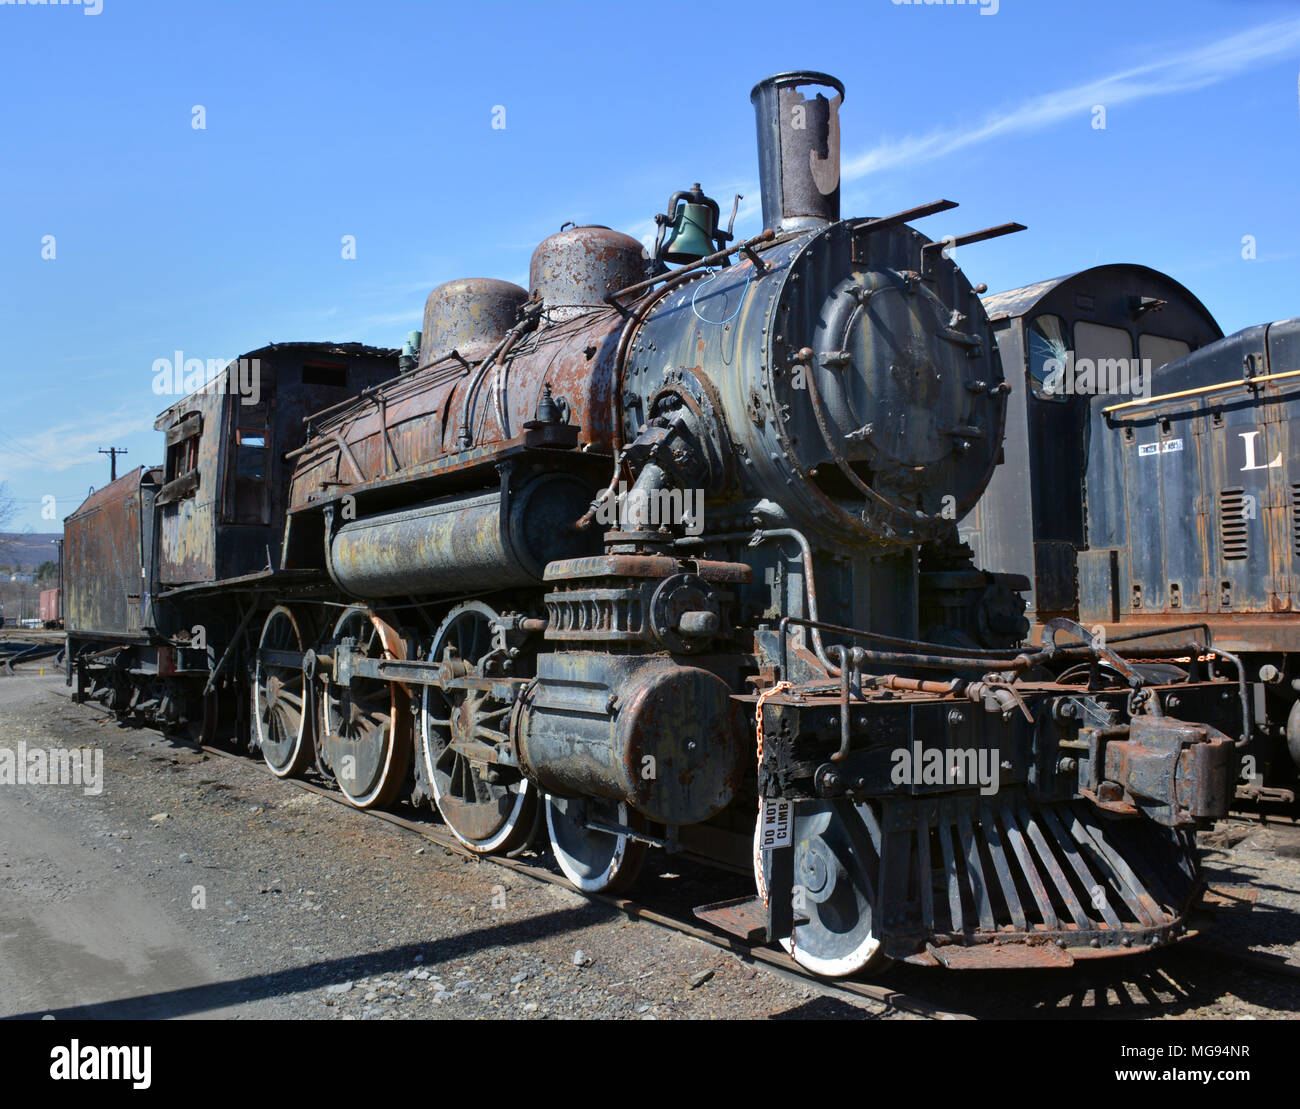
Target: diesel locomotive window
x,y
1048,341
1103,359
1161,350
251,462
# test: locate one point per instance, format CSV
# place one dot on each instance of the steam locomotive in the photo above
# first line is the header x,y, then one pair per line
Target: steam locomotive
x,y
662,552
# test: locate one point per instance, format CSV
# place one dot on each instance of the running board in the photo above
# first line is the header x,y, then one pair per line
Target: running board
x,y
743,917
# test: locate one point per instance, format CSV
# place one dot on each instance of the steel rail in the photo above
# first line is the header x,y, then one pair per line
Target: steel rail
x,y
776,961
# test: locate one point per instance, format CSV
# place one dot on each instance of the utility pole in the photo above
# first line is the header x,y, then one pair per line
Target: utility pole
x,y
112,453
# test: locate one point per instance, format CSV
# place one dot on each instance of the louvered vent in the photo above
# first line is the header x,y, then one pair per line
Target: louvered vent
x,y
1232,524
1295,518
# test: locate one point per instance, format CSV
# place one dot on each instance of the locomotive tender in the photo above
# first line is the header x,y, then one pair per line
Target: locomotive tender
x,y
663,551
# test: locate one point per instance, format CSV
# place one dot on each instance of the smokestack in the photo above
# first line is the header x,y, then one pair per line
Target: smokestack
x,y
798,149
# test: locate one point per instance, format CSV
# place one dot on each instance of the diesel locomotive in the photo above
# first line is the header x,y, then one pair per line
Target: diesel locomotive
x,y
1145,501
661,553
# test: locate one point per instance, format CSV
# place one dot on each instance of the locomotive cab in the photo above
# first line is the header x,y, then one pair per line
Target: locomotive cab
x,y
223,500
1106,331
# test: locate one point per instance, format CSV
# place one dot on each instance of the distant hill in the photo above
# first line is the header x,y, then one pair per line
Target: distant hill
x,y
28,550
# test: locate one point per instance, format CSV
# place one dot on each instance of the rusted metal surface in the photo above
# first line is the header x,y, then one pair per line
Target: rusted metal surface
x,y
51,607
468,315
1176,772
592,720
106,544
877,411
1061,852
225,516
448,418
479,541
645,566
1014,955
798,149
827,400
573,271
745,917
365,728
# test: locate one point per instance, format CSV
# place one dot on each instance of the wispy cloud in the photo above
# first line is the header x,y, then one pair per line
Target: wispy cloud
x,y
1181,72
69,444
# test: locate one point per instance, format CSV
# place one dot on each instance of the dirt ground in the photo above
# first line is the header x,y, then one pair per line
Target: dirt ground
x,y
200,886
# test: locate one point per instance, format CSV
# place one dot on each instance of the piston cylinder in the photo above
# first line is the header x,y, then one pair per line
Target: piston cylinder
x,y
464,543
665,738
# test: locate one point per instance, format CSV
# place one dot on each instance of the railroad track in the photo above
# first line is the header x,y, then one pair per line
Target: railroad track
x,y
773,960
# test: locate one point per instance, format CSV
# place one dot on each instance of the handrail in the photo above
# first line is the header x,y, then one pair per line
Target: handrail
x,y
1199,390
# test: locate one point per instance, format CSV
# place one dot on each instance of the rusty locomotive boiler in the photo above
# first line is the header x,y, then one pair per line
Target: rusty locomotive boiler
x,y
661,553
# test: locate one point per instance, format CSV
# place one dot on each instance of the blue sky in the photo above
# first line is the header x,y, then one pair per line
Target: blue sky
x,y
326,119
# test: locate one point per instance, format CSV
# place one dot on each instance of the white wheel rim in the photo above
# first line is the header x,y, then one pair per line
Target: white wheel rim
x,y
839,967
521,793
586,882
259,704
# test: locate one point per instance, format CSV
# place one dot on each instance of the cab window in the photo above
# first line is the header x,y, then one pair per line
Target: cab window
x,y
1048,339
251,499
1161,350
1109,369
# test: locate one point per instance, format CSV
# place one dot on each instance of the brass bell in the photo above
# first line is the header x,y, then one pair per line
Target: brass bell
x,y
691,234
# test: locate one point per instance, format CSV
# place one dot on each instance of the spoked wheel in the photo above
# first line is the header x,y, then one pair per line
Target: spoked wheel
x,y
593,859
281,710
490,807
209,725
832,889
366,735
121,693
